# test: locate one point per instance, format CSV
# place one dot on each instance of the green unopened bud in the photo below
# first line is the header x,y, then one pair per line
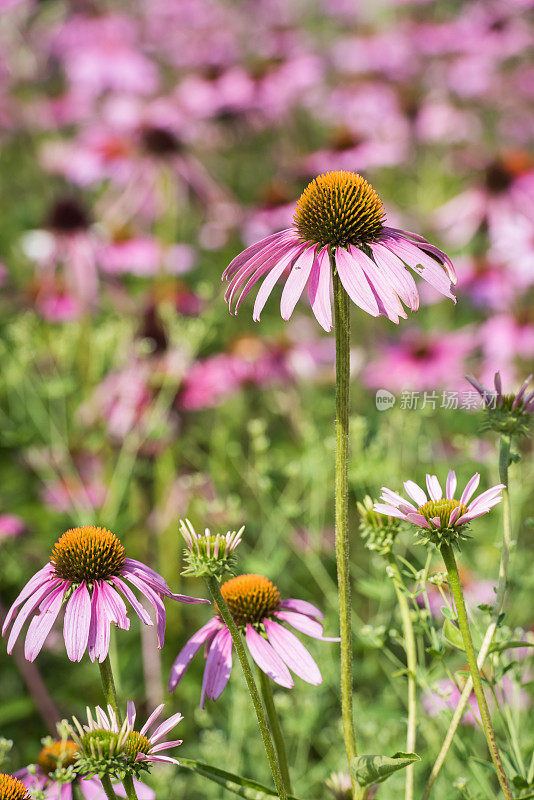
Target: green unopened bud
x,y
510,414
5,747
377,530
339,785
209,554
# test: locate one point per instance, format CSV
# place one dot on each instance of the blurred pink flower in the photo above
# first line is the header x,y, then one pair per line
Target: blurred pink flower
x,y
445,697
421,361
145,257
10,526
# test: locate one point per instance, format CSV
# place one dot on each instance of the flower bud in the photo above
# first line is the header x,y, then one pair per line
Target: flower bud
x,y
209,554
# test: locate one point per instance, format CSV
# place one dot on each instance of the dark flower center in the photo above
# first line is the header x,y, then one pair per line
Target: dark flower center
x,y
67,216
160,142
59,754
87,554
250,598
441,508
339,208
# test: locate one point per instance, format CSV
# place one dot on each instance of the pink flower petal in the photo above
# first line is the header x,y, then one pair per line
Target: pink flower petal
x,y
434,489
41,625
29,606
156,601
37,580
141,612
470,489
165,727
155,714
355,283
386,297
399,277
302,607
320,289
293,652
296,282
76,622
451,484
271,279
252,251
267,659
218,666
306,625
415,492
189,650
423,264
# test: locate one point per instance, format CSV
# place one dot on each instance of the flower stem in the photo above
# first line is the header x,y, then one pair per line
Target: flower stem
x,y
108,787
456,588
411,665
507,544
342,327
110,695
216,594
274,721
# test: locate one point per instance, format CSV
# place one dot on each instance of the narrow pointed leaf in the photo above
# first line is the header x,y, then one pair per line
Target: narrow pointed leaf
x,y
244,787
368,770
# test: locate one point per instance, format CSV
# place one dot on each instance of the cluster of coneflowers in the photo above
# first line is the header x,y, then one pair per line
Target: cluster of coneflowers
x,y
339,246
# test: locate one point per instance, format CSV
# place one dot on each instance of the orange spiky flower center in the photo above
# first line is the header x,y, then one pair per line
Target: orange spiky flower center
x,y
87,554
250,598
441,508
136,743
12,789
61,753
339,208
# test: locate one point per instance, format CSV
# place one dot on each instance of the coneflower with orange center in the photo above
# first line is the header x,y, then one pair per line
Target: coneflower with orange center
x,y
12,789
339,227
87,573
257,608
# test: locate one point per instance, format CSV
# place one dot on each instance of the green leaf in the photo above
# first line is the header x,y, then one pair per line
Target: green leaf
x,y
500,646
244,787
368,770
453,635
445,610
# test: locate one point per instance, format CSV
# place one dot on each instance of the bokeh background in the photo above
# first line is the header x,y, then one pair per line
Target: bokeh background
x,y
142,145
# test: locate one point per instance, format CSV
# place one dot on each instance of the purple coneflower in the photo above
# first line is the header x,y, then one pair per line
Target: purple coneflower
x,y
436,513
87,572
507,413
339,220
61,754
257,608
134,746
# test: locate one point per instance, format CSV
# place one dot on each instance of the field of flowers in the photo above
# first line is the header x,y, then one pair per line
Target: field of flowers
x,y
144,145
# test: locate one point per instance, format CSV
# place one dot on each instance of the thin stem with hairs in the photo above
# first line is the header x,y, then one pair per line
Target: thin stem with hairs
x,y
215,591
447,553
266,688
507,545
342,329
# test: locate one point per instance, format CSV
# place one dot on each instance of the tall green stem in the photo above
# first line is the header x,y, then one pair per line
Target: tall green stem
x,y
274,721
507,543
215,591
411,665
342,327
456,588
110,694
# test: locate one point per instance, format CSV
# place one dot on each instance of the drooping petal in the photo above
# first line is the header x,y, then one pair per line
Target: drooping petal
x,y
77,622
320,289
423,264
296,282
156,601
302,607
293,652
399,277
252,251
267,659
415,492
249,275
386,297
35,582
41,625
470,489
271,279
355,283
434,488
141,612
218,666
116,607
29,606
188,651
98,642
306,625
